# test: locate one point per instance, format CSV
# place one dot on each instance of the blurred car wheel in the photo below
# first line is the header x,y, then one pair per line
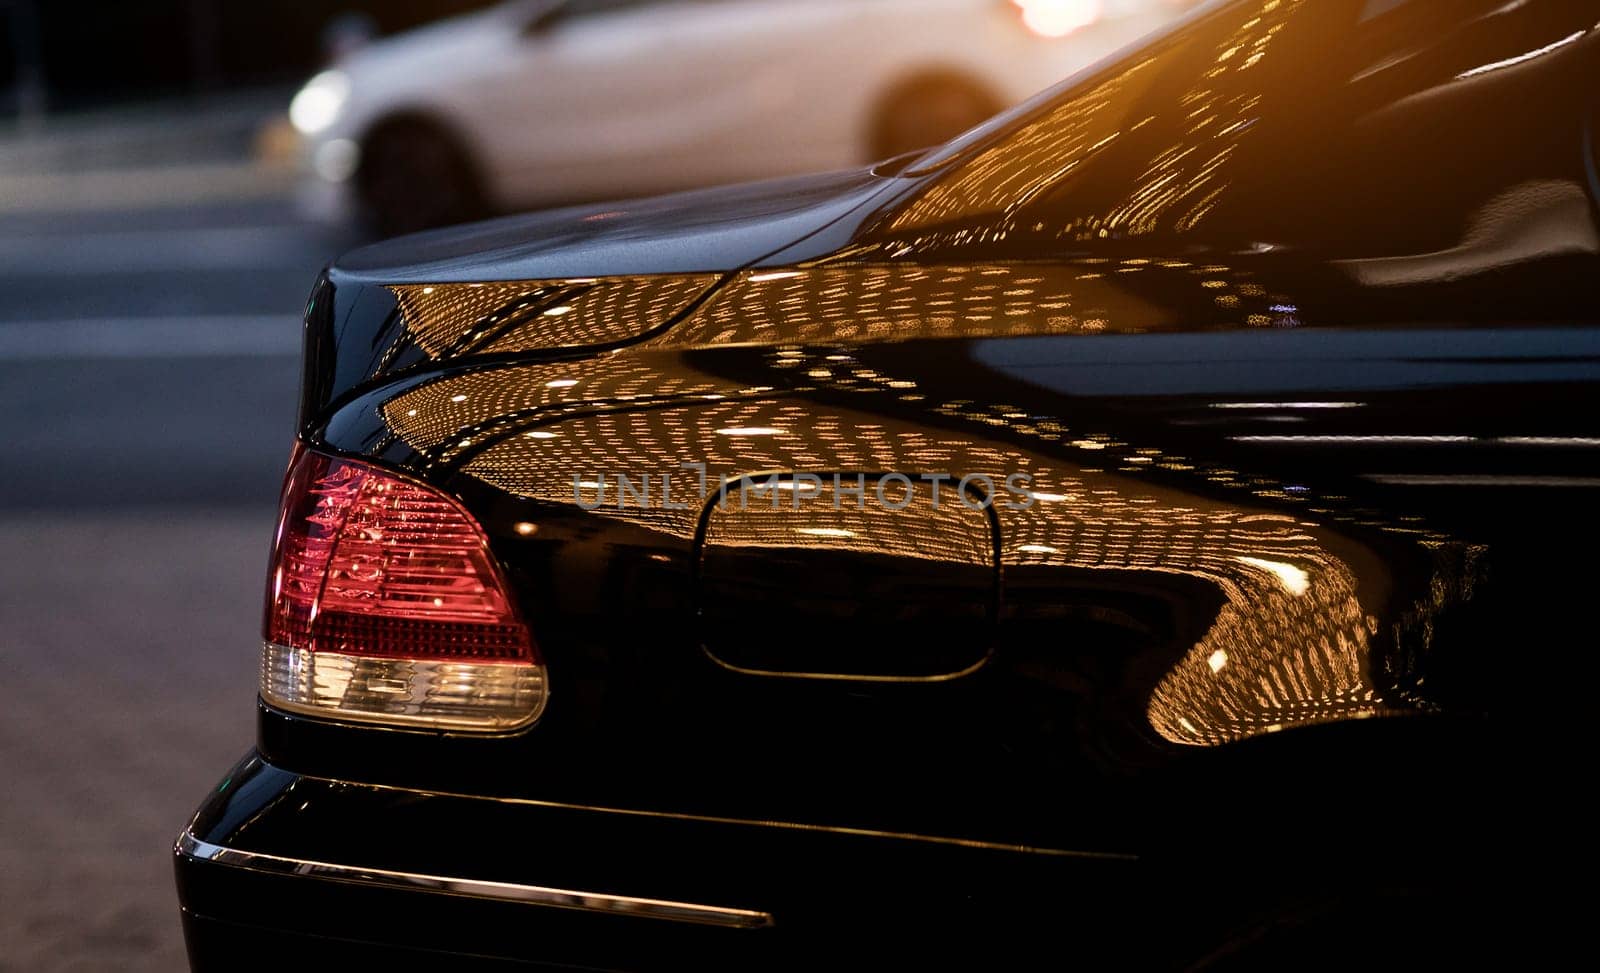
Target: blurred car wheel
x,y
415,176
929,111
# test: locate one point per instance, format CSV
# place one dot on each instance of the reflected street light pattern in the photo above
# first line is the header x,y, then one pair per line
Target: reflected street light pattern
x,y
1302,619
1292,625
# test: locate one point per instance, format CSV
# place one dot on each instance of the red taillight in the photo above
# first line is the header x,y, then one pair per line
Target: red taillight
x,y
369,564
384,604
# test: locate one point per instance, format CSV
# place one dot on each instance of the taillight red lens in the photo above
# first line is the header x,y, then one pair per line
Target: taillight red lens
x,y
384,604
369,564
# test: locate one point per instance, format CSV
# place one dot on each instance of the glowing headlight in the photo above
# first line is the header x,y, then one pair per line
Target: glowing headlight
x,y
318,104
1058,18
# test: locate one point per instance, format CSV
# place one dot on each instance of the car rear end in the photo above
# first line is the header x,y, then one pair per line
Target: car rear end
x,y
490,728
1220,670
507,720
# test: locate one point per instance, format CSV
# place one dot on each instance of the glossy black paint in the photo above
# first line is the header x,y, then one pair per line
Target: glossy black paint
x,y
703,230
852,898
1292,315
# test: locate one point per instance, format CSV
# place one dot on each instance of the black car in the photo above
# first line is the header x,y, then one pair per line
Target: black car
x,y
1146,532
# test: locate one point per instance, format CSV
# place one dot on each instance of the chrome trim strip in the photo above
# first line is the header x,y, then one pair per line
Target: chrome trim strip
x,y
192,847
845,677
742,822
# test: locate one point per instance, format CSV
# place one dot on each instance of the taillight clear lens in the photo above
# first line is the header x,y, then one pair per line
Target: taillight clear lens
x,y
385,605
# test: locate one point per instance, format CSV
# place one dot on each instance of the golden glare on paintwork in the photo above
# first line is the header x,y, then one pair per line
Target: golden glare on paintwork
x,y
904,302
1178,184
760,516
456,319
1311,645
799,386
832,532
1294,580
1307,640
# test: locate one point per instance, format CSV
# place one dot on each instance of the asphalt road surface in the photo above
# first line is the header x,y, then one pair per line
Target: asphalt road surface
x,y
148,366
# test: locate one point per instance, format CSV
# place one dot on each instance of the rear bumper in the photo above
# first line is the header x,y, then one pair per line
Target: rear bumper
x,y
418,878
192,848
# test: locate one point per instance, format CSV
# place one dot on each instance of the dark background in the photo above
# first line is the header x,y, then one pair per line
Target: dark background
x,y
152,274
94,53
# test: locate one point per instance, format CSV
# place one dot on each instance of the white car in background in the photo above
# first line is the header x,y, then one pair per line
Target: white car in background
x,y
549,101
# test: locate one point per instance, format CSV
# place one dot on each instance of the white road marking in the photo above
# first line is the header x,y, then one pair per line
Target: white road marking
x,y
209,336
122,188
143,251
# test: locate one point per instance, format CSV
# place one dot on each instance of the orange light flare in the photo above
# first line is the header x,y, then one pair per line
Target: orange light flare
x,y
1058,18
